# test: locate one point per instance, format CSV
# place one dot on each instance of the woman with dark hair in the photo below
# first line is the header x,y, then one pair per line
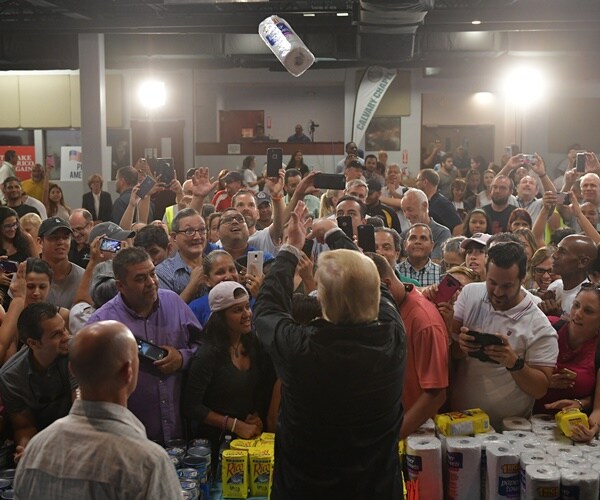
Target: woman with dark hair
x,y
476,221
297,162
478,163
473,181
230,379
519,219
251,180
539,271
55,202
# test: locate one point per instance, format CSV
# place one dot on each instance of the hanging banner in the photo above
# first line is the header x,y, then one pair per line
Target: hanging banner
x,y
373,86
70,163
26,155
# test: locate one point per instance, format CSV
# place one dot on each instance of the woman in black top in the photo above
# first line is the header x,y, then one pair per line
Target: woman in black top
x,y
297,162
229,379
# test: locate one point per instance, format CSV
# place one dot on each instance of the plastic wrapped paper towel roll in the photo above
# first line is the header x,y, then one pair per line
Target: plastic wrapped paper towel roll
x,y
516,436
484,441
543,481
503,464
532,458
556,450
424,462
525,446
545,429
516,424
286,45
579,483
463,458
571,462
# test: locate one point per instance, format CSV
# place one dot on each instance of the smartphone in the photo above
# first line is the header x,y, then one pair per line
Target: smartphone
x,y
563,198
110,245
164,168
274,161
308,247
447,288
344,222
145,186
330,181
528,159
366,237
9,266
484,339
150,351
254,263
580,162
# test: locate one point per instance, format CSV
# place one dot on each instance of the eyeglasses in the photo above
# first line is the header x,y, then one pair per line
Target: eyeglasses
x,y
540,271
8,227
189,232
81,229
234,218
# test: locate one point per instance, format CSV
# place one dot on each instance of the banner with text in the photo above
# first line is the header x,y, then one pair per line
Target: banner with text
x,y
26,155
373,86
70,163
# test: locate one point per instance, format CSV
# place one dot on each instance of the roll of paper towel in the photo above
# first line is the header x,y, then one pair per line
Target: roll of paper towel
x,y
576,483
286,45
484,440
556,450
502,471
543,481
463,458
544,429
424,462
588,447
529,446
571,462
516,424
532,458
514,436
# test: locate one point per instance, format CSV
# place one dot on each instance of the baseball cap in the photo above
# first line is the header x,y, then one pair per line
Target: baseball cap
x,y
51,224
480,238
262,197
110,230
222,295
374,185
233,177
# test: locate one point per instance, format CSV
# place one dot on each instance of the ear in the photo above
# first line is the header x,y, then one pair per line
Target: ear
x,y
32,343
119,286
387,281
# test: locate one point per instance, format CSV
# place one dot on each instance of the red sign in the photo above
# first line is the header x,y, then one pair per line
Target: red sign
x,y
26,156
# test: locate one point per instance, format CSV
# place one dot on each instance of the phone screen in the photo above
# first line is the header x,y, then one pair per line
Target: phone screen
x,y
366,237
9,266
110,245
344,222
150,351
580,162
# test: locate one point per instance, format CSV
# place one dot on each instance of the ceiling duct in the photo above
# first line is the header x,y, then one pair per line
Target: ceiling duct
x,y
387,29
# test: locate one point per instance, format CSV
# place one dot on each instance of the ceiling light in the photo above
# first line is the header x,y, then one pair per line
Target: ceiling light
x,y
152,94
342,14
476,21
309,14
524,85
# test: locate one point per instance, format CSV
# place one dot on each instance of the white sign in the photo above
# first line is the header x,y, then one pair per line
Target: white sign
x,y
70,163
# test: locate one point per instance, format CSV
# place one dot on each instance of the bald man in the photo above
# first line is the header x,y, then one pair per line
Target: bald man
x,y
100,448
572,260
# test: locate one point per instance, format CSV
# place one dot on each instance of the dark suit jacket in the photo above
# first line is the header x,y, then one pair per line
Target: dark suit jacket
x,y
105,215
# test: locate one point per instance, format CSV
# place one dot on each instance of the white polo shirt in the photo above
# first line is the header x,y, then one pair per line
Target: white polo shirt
x,y
490,386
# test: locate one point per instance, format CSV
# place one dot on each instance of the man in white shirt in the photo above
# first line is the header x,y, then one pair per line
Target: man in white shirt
x,y
517,369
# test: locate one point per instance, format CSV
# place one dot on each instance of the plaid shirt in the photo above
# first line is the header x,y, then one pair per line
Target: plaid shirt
x,y
428,275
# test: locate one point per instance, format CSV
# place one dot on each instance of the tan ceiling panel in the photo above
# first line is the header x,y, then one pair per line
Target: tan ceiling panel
x,y
9,90
45,101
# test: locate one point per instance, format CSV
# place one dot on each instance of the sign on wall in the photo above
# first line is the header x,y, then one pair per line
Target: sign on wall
x,y
70,163
26,156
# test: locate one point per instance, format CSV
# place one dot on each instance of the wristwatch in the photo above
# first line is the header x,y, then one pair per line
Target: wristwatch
x,y
519,365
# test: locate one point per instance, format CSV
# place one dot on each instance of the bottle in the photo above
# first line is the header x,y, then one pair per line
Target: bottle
x,y
225,445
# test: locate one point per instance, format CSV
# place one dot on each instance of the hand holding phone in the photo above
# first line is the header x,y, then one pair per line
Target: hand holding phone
x,y
344,222
255,262
447,288
366,237
330,181
110,245
274,161
580,163
150,351
9,266
484,339
145,186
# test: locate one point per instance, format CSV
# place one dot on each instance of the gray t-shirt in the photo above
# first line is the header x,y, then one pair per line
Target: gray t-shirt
x,y
62,292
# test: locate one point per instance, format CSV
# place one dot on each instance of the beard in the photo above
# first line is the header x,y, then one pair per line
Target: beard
x,y
500,200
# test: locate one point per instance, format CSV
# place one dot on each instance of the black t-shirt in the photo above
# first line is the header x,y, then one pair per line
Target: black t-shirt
x,y
23,209
499,219
443,211
79,257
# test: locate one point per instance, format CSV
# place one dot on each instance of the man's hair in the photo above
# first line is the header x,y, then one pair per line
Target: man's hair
x,y
371,156
507,253
291,172
84,213
420,195
419,224
354,164
348,197
502,238
356,182
9,154
430,176
502,177
453,244
11,178
151,235
103,287
39,266
305,308
395,236
560,234
29,324
239,193
186,212
342,270
128,174
126,258
383,266
446,156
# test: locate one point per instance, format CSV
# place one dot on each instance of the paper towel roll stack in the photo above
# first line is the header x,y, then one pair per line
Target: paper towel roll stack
x,y
286,45
503,465
543,481
463,458
516,424
579,484
531,458
424,462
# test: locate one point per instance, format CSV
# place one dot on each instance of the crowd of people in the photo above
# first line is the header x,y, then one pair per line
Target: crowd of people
x,y
361,322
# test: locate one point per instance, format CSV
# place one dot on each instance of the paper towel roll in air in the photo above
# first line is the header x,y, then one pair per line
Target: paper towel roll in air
x,y
579,484
424,462
286,45
571,462
543,481
532,458
516,424
463,459
503,464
